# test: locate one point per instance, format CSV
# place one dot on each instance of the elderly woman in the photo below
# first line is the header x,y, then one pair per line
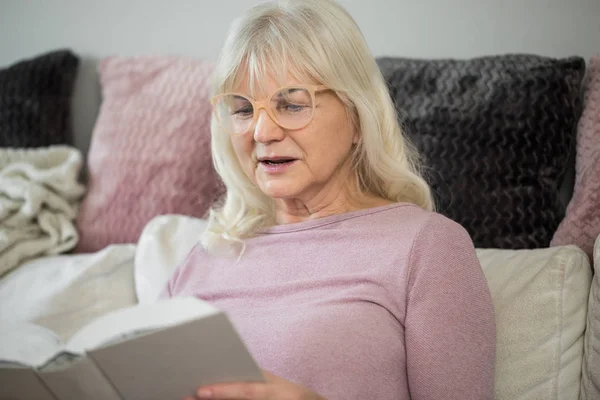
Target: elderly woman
x,y
326,253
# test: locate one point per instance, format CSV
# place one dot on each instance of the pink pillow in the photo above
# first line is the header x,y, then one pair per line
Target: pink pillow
x,y
150,148
581,225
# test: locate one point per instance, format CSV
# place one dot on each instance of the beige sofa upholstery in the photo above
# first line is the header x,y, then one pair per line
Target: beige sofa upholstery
x,y
540,298
590,383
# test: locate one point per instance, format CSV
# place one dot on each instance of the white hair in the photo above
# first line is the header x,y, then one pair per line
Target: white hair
x,y
314,41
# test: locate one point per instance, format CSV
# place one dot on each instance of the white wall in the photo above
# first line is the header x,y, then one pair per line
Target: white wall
x,y
417,28
421,28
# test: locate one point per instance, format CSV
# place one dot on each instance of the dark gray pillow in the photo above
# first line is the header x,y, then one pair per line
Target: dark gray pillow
x,y
496,134
35,100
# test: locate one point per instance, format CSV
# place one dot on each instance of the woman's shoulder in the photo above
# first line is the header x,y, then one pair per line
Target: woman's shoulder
x,y
438,240
407,218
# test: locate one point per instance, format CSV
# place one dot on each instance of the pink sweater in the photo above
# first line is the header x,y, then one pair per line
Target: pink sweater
x,y
385,303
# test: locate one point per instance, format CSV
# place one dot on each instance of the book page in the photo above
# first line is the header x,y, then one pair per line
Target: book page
x,y
27,344
60,361
142,318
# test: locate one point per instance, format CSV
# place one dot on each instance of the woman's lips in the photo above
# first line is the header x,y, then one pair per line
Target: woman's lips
x,y
276,167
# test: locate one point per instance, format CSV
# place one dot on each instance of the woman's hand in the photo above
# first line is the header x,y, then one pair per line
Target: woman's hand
x,y
275,388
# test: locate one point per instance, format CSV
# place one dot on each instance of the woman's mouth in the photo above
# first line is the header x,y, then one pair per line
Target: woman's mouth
x,y
276,165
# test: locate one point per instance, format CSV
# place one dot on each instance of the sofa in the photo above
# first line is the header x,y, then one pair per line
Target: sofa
x,y
90,232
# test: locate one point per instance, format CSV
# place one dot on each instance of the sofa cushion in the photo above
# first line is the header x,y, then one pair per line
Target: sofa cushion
x,y
590,383
35,100
581,225
150,149
496,134
540,299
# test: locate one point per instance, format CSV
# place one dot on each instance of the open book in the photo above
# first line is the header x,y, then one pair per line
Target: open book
x,y
161,351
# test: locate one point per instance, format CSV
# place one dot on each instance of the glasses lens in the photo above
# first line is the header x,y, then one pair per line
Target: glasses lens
x,y
234,113
292,107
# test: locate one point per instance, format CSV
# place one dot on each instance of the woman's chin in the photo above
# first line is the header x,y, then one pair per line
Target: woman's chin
x,y
279,190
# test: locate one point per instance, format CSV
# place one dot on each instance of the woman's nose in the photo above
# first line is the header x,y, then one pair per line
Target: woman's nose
x,y
267,130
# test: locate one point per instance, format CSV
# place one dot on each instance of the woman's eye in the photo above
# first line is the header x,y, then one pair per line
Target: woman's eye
x,y
244,111
291,107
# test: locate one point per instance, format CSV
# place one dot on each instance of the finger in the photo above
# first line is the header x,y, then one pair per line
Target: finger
x,y
238,391
269,376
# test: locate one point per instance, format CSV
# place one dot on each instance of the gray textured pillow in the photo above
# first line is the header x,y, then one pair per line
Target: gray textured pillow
x,y
35,100
496,134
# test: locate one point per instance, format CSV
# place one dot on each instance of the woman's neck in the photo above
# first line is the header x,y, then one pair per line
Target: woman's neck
x,y
290,211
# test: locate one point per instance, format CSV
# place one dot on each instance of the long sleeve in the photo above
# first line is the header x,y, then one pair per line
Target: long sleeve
x,y
450,323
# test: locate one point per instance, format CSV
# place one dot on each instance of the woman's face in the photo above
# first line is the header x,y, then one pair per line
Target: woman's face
x,y
301,164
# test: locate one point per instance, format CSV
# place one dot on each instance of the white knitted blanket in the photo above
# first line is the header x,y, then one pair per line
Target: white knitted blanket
x,y
39,199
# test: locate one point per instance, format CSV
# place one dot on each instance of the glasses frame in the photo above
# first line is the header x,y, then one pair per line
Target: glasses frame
x,y
264,104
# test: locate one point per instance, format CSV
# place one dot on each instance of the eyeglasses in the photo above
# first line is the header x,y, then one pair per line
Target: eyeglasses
x,y
291,107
